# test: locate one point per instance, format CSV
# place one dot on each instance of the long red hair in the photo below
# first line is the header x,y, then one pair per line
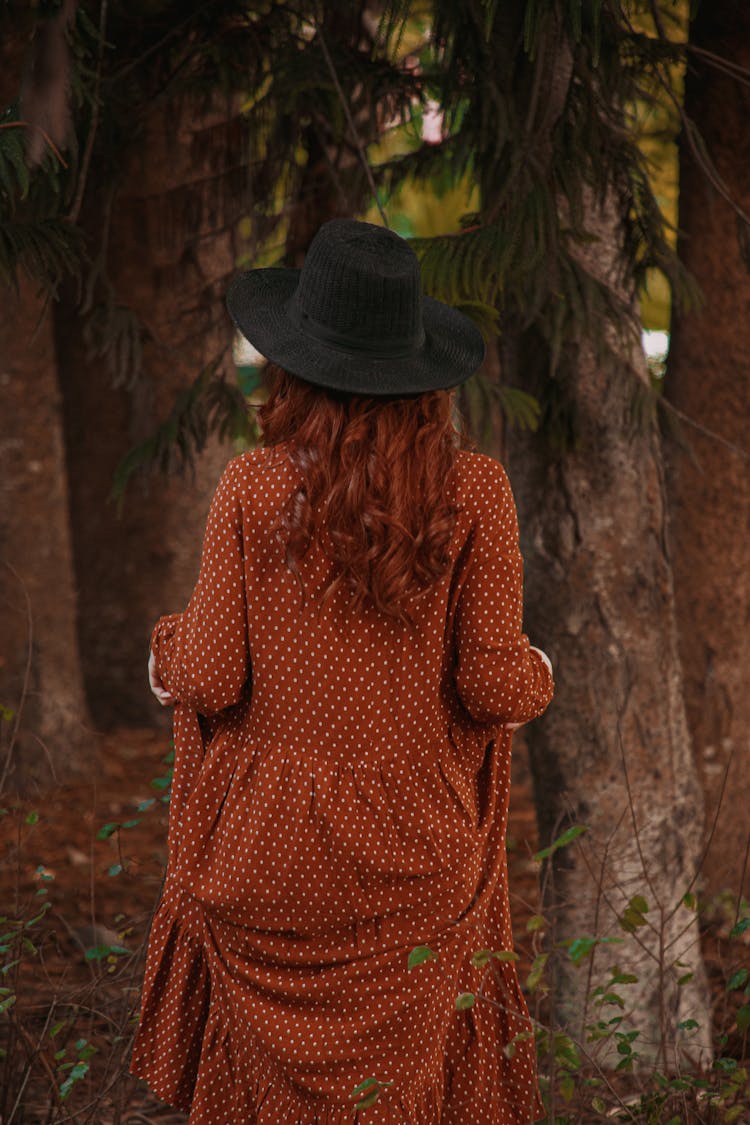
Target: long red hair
x,y
377,485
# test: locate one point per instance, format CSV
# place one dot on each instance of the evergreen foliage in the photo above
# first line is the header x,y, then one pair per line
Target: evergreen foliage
x,y
539,100
34,235
271,137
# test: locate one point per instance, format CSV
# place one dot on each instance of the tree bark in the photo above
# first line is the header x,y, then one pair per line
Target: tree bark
x,y
708,380
47,738
613,751
169,267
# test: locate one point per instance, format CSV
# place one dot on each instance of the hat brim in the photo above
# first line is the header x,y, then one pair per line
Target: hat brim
x,y
452,351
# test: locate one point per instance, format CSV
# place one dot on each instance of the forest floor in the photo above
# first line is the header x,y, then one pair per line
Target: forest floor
x,y
95,886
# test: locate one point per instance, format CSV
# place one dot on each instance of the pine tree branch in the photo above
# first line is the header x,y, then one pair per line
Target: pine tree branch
x,y
350,120
75,209
45,134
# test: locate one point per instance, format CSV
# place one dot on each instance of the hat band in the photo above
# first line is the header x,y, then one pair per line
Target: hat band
x,y
382,348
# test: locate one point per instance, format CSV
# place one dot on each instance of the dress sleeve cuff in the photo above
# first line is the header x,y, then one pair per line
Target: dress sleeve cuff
x,y
162,645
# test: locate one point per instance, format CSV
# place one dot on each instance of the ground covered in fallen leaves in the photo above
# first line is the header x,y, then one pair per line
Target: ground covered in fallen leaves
x,y
80,876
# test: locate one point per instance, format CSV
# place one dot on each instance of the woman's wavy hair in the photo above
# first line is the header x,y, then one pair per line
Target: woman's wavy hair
x,y
378,486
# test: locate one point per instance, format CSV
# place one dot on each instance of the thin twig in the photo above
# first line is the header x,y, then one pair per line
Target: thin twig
x,y
742,881
35,1052
352,126
707,845
744,453
631,807
687,126
26,676
75,209
725,66
537,1026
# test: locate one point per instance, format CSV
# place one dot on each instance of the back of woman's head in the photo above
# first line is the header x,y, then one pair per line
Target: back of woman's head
x,y
378,486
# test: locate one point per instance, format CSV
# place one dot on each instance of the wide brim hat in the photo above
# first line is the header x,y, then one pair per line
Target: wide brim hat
x,y
354,317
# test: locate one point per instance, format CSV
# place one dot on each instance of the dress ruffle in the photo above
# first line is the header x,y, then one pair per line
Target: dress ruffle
x,y
188,1051
184,1048
175,1004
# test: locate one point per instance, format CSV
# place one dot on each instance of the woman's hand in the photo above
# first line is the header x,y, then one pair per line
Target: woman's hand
x,y
544,657
155,683
548,662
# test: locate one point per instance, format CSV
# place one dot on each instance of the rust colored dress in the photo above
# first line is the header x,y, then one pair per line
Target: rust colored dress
x,y
339,797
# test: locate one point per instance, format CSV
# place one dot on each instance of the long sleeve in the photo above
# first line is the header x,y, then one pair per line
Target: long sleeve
x,y
498,676
202,654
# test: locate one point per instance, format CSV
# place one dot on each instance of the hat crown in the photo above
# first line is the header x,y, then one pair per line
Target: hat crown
x,y
361,283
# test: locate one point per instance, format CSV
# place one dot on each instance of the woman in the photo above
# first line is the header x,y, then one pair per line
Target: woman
x,y
342,732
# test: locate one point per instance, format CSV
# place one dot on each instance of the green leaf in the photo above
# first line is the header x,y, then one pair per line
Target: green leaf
x,y
567,837
464,1000
743,1019
376,1085
99,952
368,1100
580,948
740,927
419,955
37,917
365,1085
631,919
690,901
143,805
482,956
106,830
737,980
537,969
536,922
623,978
612,998
80,1069
115,869
32,817
639,904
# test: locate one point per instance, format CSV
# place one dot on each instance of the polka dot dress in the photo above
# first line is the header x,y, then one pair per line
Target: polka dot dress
x,y
340,796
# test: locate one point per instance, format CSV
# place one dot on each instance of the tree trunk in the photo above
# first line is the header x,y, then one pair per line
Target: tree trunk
x,y
47,738
169,258
613,751
708,379
169,266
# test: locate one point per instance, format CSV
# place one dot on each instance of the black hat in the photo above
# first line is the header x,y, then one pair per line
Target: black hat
x,y
354,318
